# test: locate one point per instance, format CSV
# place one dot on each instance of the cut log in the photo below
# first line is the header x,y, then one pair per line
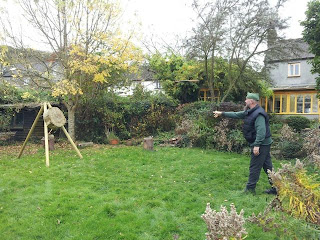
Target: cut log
x,y
54,118
85,144
148,143
50,141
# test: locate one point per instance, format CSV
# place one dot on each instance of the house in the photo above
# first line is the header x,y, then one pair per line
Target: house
x,y
144,78
30,68
293,83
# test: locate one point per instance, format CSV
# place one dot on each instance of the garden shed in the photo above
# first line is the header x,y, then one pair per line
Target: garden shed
x,y
23,118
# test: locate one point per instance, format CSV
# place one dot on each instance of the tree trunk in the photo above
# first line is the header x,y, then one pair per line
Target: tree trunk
x,y
71,122
231,86
71,107
211,79
206,67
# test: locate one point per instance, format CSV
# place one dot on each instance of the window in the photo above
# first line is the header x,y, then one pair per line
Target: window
x,y
277,104
201,95
299,104
208,94
263,103
158,86
270,104
292,103
283,103
205,95
315,104
17,120
293,69
26,82
307,103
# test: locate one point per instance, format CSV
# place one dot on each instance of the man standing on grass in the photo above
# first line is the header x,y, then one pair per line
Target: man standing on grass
x,y
256,131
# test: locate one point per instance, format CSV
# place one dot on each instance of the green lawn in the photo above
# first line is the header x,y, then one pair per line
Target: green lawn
x,y
128,193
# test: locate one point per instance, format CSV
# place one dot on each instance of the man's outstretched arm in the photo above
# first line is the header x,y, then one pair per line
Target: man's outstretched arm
x,y
236,115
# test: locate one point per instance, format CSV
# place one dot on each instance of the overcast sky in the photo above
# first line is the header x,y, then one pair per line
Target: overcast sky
x,y
168,18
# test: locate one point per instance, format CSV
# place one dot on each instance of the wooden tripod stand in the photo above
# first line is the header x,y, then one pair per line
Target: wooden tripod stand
x,y
53,118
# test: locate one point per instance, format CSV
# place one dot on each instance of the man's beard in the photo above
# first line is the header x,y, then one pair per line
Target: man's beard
x,y
246,107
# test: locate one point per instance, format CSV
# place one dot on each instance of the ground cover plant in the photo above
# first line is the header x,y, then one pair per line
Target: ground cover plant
x,y
128,193
299,193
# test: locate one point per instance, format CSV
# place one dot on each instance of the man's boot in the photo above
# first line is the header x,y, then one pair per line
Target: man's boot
x,y
272,190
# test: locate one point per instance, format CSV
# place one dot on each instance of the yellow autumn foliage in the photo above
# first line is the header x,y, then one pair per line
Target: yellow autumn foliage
x,y
27,95
66,87
120,55
298,191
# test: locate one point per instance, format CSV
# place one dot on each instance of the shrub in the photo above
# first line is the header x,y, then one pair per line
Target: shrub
x,y
227,138
298,192
221,136
290,150
238,141
196,109
287,134
311,142
136,116
298,122
224,225
230,107
5,119
189,133
275,119
311,146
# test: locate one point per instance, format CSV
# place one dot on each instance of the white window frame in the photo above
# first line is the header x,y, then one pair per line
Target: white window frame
x,y
295,74
157,84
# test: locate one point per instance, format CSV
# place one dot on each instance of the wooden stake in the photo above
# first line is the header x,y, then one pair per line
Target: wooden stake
x,y
44,108
49,105
46,139
31,130
71,141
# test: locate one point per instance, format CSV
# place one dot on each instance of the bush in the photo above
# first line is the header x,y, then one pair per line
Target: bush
x,y
5,119
230,107
311,142
275,119
298,122
298,192
199,128
228,139
224,224
136,116
287,134
237,140
189,133
290,150
197,109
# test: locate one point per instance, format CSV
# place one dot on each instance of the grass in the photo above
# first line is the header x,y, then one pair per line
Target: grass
x,y
128,193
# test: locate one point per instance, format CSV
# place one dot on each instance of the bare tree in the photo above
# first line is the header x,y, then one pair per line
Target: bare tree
x,y
208,36
250,29
237,31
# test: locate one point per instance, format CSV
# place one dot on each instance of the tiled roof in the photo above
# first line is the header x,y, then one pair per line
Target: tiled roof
x,y
289,49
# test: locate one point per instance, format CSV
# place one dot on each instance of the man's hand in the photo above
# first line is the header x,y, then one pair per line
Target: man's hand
x,y
217,114
256,151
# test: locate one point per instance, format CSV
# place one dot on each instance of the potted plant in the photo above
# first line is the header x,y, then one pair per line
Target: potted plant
x,y
113,139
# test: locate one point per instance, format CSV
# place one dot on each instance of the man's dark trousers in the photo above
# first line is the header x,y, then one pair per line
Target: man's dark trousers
x,y
263,160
